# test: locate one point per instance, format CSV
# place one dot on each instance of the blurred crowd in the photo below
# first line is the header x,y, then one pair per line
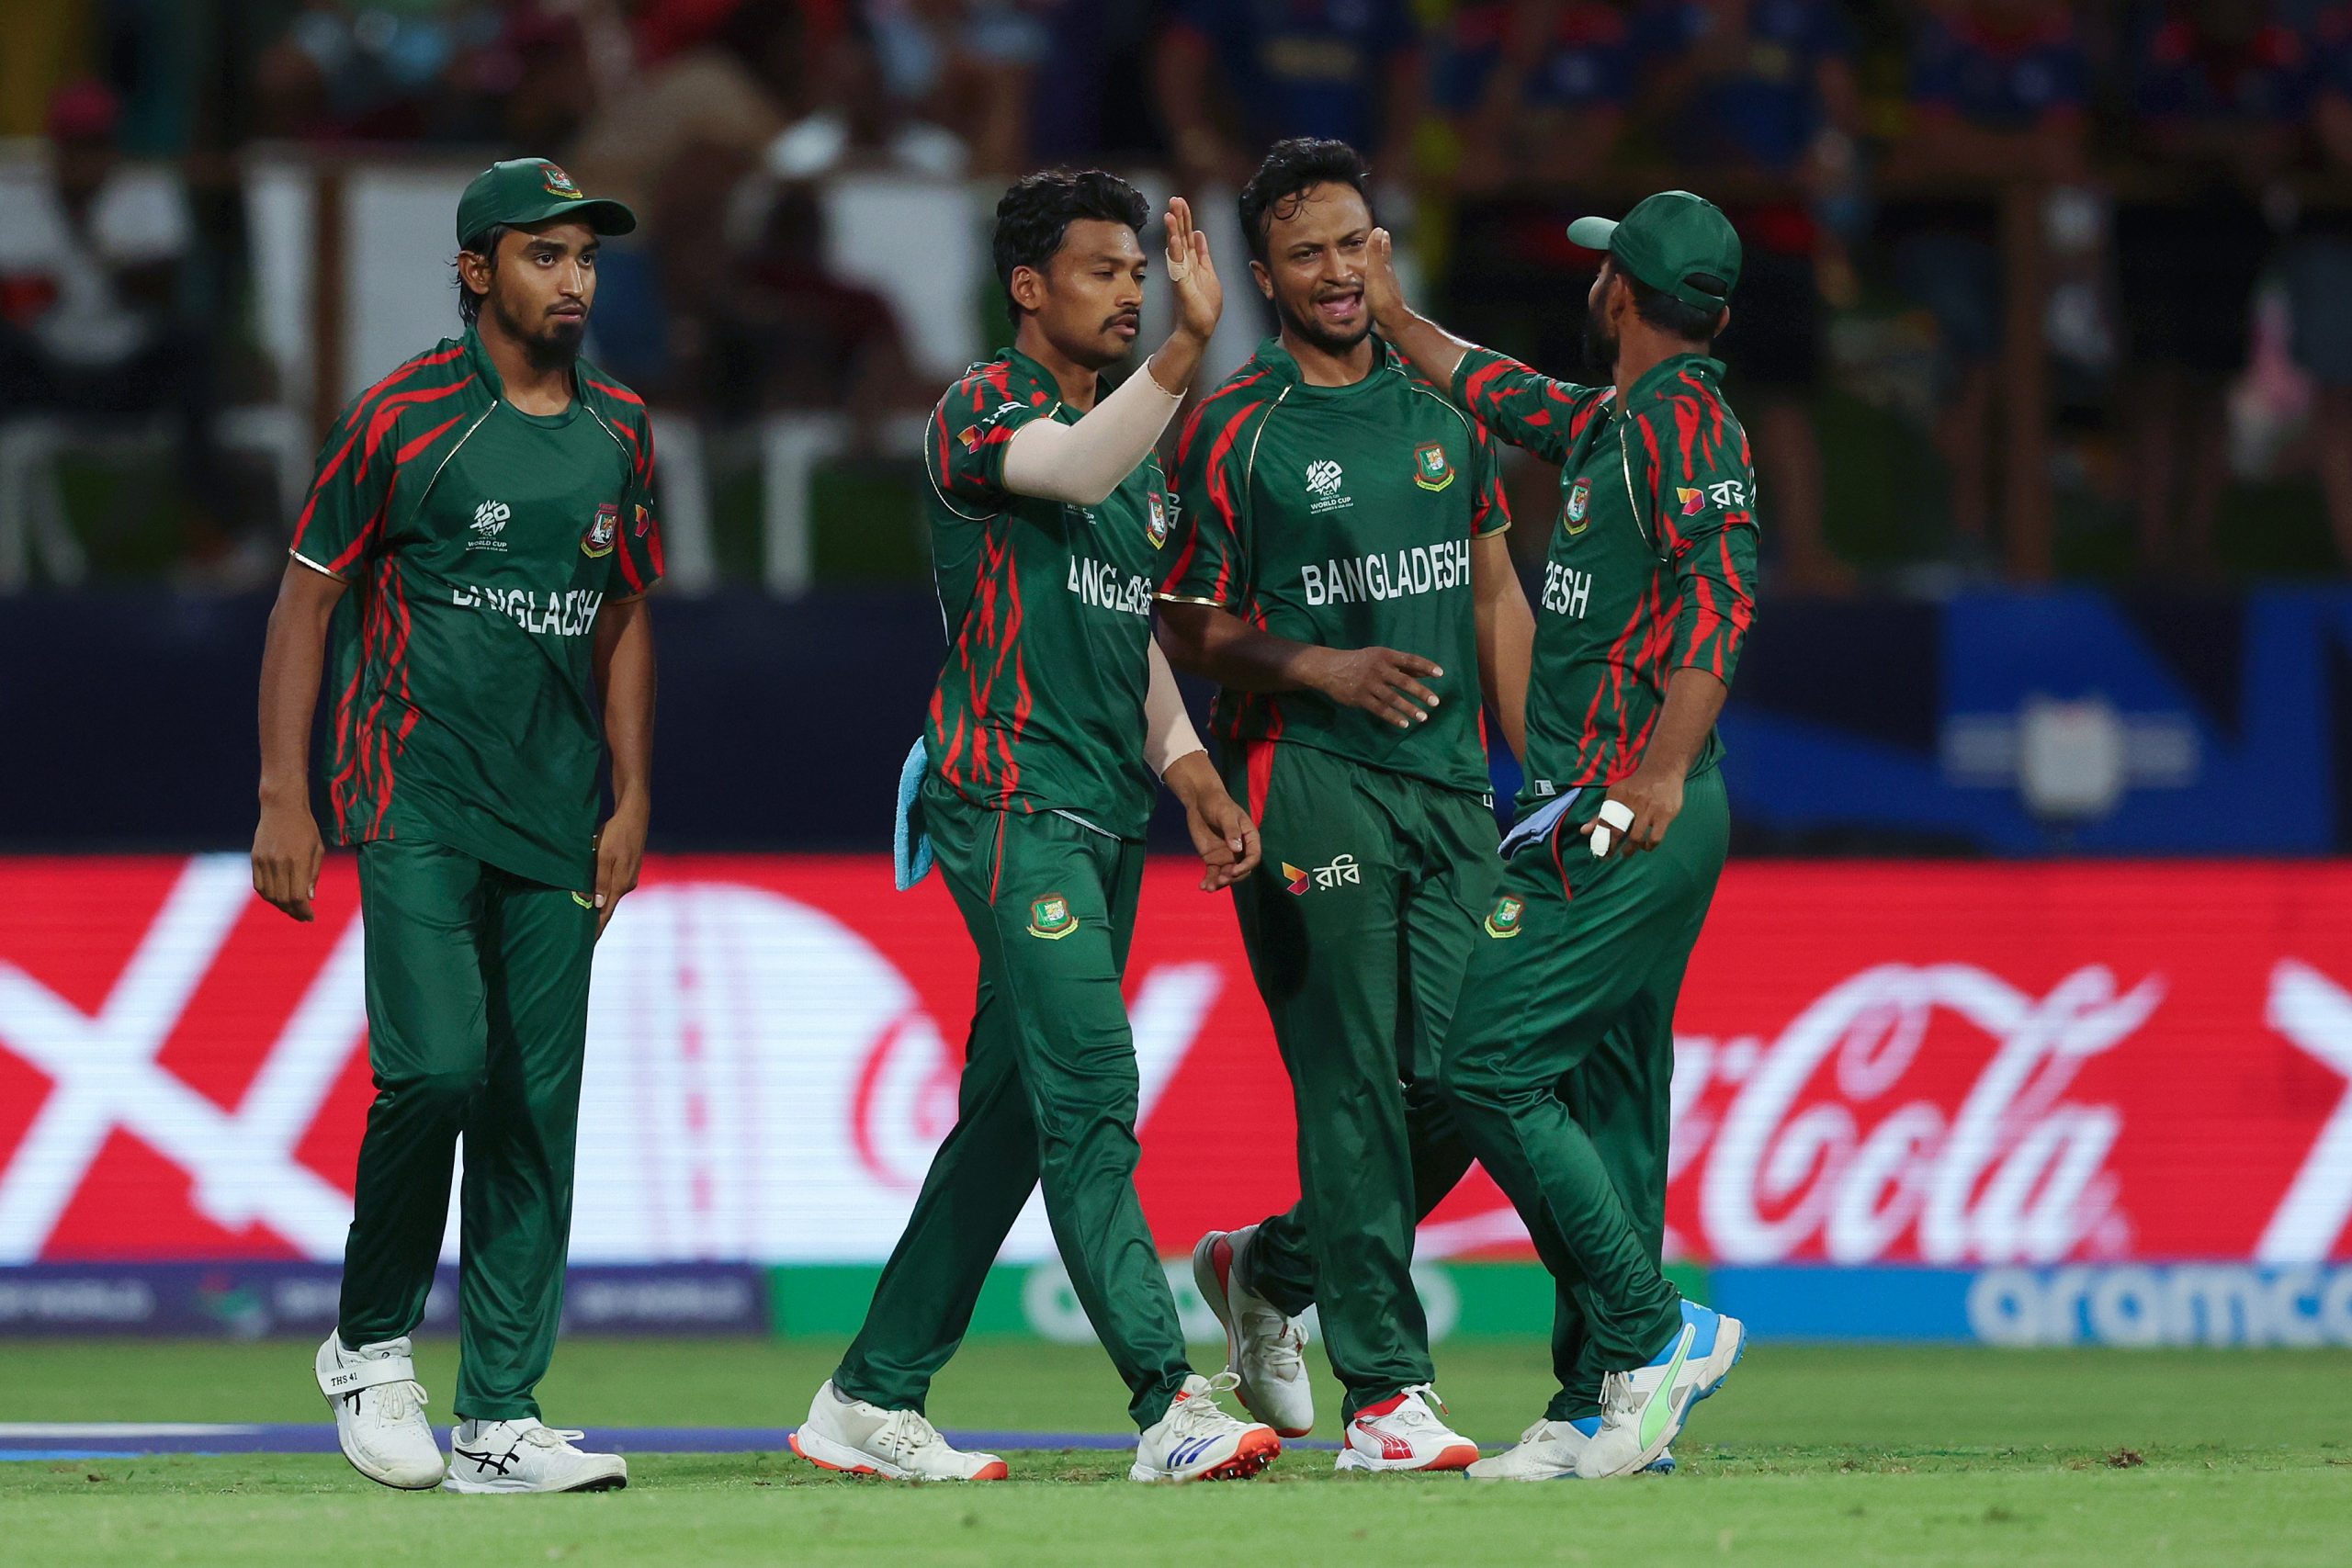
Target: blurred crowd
x,y
2172,177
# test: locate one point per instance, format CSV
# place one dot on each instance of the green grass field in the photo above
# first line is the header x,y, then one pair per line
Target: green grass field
x,y
1810,1457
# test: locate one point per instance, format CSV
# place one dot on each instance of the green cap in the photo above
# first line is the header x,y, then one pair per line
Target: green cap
x,y
524,191
1671,241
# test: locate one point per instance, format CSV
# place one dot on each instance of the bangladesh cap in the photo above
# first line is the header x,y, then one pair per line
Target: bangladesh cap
x,y
1677,243
523,191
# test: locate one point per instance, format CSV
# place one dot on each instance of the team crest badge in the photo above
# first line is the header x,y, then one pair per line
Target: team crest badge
x,y
1155,525
1503,920
1578,510
559,183
598,540
1050,918
1430,470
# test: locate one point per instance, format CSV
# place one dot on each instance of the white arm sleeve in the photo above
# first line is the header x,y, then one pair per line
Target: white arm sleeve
x,y
1083,463
1168,733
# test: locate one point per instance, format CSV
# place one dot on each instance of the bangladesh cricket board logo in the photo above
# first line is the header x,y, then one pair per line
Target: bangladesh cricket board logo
x,y
1504,919
1430,470
559,183
599,541
1578,510
1050,918
1154,525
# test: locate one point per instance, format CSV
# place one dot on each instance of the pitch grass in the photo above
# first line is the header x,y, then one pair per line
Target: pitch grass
x,y
1810,1457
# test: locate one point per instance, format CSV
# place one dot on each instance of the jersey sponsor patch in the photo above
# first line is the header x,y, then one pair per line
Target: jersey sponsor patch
x,y
644,521
1503,920
603,531
1294,880
1432,470
1578,512
1051,918
968,438
1693,501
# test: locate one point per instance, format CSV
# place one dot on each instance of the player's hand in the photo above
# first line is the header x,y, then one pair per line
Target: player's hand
x,y
1382,294
620,851
1222,832
1200,298
1655,799
286,855
1378,680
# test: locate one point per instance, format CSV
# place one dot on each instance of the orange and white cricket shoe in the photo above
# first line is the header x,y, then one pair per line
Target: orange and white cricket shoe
x,y
1265,1348
1404,1431
1196,1440
859,1438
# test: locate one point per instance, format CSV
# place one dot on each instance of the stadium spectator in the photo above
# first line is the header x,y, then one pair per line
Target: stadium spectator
x,y
1998,94
1234,77
733,88
969,65
1539,89
2319,276
92,257
853,119
2218,91
1756,102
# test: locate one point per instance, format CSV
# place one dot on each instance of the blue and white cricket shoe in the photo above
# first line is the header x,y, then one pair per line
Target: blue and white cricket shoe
x,y
1642,1410
1196,1440
1548,1451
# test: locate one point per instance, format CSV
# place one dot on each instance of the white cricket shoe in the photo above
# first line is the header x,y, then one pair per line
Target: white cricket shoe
x,y
522,1455
380,1412
1548,1451
1404,1431
1263,1347
863,1438
1196,1440
1642,1410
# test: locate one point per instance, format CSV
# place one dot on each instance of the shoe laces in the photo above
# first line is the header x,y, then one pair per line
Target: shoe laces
x,y
551,1436
1283,1341
1617,1397
397,1401
1198,1415
905,1434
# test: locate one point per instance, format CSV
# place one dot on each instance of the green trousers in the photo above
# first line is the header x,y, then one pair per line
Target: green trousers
x,y
1561,1064
477,1027
1048,1094
1359,925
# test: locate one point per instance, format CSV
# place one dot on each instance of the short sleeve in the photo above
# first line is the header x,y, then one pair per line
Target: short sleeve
x,y
639,558
1703,489
342,521
969,431
1521,406
1489,509
1211,493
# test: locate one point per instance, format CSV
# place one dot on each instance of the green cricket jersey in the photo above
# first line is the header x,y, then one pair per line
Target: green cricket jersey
x,y
480,542
1047,606
1343,516
1652,566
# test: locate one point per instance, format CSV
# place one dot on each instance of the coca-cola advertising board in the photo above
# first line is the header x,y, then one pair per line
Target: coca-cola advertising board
x,y
1965,1067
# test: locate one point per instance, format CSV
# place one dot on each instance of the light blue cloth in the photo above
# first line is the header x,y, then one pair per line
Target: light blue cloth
x,y
910,845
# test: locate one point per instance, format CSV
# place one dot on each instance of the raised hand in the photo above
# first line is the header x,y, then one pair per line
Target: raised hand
x,y
1382,292
1200,297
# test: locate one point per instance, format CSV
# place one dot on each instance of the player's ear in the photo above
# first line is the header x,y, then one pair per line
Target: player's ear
x,y
1723,324
1028,287
1265,280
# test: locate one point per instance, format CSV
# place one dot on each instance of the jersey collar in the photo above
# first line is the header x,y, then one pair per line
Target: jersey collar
x,y
486,374
1026,378
1669,369
1282,368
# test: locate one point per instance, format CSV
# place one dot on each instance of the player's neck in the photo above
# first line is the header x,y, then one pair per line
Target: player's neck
x,y
1320,366
1075,382
1641,350
529,387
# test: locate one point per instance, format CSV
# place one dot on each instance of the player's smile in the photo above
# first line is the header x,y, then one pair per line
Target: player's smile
x,y
1341,310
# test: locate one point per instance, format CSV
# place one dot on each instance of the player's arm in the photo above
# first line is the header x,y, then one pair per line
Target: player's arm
x,y
1506,637
1211,641
287,847
1222,832
1530,411
1713,553
624,662
1081,464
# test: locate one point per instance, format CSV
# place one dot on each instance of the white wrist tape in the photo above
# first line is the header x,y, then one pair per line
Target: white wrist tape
x,y
1615,818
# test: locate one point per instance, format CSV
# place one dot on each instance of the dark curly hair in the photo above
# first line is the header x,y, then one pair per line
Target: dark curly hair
x,y
484,244
1292,169
1039,209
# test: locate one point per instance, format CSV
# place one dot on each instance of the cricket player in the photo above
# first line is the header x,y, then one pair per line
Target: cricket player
x,y
1048,521
1562,1050
1342,573
475,554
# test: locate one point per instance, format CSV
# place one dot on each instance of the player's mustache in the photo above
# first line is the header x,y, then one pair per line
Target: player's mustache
x,y
1125,319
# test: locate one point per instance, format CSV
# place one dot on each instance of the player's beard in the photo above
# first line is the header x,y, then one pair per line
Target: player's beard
x,y
554,346
1313,331
1599,343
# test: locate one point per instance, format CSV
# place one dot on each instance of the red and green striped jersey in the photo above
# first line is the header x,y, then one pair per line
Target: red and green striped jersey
x,y
1652,565
1343,516
1047,606
480,542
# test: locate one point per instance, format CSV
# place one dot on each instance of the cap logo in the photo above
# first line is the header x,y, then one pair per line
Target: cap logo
x,y
559,183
